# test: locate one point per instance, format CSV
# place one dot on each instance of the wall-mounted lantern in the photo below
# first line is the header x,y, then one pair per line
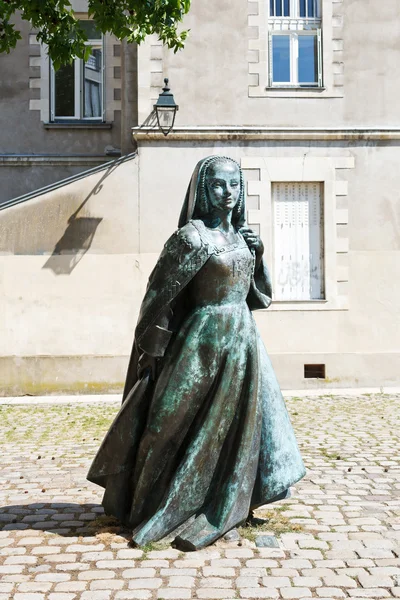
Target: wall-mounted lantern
x,y
166,109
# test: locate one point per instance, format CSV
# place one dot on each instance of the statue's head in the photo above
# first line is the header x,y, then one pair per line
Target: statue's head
x,y
210,180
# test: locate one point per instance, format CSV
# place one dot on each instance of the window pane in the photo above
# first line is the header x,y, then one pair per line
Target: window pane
x,y
64,93
271,8
281,58
90,28
287,8
308,59
93,84
310,8
302,8
278,8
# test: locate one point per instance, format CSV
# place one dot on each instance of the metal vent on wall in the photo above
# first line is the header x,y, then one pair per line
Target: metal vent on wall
x,y
314,371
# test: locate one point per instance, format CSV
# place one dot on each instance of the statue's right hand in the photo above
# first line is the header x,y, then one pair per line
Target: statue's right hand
x,y
147,362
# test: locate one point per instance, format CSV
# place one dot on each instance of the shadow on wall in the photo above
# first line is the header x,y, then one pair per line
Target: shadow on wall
x,y
78,236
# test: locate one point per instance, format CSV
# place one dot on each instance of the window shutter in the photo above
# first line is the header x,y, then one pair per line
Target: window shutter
x,y
319,51
298,241
52,95
270,58
103,58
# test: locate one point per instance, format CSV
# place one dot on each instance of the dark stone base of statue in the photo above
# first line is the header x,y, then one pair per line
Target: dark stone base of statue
x,y
206,437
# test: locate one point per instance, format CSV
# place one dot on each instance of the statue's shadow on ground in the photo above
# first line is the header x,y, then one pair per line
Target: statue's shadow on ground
x,y
66,519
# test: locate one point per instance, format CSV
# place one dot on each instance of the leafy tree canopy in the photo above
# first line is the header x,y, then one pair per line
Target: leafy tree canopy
x,y
59,28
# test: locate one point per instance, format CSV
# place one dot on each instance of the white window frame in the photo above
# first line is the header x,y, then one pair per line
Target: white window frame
x,y
79,88
295,259
295,26
322,170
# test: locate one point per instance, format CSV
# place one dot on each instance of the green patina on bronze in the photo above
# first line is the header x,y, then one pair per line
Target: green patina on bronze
x,y
203,434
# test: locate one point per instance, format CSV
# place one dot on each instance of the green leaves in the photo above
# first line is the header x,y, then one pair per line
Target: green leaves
x,y
58,27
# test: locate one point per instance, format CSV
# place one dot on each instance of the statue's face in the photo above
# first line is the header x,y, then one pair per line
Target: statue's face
x,y
223,185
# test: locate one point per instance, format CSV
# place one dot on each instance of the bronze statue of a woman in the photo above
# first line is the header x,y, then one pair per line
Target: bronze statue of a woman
x,y
203,434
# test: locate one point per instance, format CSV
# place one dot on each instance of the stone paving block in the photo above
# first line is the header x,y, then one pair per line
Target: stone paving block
x,y
261,562
40,550
296,592
181,581
247,582
21,560
211,593
29,596
296,563
96,574
129,553
160,564
53,577
259,593
225,562
11,569
339,581
276,582
114,564
34,586
374,553
168,554
310,582
152,583
134,595
385,571
375,581
239,553
214,582
189,563
61,596
60,558
175,593
71,586
107,584
97,595
72,566
92,556
374,593
218,572
329,592
171,572
282,572
138,572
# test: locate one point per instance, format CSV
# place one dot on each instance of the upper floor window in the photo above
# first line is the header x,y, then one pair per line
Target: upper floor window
x,y
295,47
77,89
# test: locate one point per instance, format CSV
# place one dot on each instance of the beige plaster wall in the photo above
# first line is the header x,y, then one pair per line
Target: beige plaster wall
x,y
74,265
71,279
211,77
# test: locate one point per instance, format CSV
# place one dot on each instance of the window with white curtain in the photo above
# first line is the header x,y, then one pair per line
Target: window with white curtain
x,y
77,89
298,241
295,43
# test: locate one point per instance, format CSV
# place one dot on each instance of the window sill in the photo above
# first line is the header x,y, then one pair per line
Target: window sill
x,y
294,92
295,88
337,303
77,125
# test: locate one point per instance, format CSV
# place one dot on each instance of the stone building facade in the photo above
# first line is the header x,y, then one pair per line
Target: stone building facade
x,y
303,93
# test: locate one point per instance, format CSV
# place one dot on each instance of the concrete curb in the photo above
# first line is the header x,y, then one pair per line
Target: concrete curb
x,y
116,398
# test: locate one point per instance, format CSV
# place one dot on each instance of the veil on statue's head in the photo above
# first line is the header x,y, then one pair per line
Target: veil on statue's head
x,y
196,204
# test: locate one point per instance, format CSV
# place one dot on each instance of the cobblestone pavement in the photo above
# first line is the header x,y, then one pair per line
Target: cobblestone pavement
x,y
339,534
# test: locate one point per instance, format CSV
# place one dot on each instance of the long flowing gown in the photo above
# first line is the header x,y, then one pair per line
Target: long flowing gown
x,y
214,439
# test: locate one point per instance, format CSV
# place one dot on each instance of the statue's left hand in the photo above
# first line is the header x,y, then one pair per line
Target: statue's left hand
x,y
254,243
